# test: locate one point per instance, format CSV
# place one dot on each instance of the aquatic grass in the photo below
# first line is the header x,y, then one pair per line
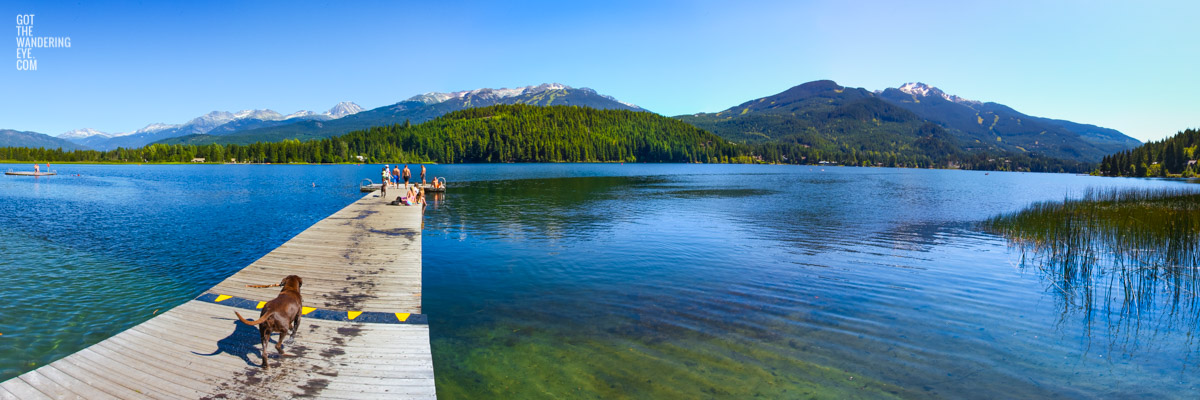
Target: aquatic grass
x,y
1133,253
1148,227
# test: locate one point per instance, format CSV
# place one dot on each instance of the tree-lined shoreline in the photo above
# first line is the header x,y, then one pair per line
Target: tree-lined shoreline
x,y
1173,156
533,134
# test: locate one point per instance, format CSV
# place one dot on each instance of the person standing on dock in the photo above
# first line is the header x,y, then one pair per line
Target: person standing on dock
x,y
396,176
407,174
387,177
37,168
422,175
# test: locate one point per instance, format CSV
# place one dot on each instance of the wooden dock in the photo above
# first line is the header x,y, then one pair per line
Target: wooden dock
x,y
362,335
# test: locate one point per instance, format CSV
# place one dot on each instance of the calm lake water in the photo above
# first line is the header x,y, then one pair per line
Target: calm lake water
x,y
611,281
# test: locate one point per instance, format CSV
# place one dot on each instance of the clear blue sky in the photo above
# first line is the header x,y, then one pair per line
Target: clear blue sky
x,y
1132,67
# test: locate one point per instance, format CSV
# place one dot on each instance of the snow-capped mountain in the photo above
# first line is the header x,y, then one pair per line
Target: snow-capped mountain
x,y
487,93
503,94
208,122
918,89
155,127
343,109
300,114
987,122
82,133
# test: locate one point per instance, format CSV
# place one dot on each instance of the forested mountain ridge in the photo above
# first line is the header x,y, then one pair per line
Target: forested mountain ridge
x,y
524,133
807,114
977,123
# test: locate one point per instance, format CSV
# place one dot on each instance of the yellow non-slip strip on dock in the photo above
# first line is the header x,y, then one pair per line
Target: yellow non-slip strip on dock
x,y
332,315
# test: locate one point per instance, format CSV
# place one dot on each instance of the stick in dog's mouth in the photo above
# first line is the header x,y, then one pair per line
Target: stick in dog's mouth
x,y
264,286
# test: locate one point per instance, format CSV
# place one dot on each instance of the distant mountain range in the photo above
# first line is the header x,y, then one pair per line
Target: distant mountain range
x,y
415,110
821,114
213,123
817,112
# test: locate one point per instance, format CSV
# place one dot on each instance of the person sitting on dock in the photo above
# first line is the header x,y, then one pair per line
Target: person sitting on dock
x,y
408,198
420,198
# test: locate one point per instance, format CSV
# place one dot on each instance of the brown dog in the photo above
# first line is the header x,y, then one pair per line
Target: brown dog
x,y
279,315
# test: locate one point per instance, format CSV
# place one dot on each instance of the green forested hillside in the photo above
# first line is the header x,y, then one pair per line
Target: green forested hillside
x,y
1169,156
827,122
521,133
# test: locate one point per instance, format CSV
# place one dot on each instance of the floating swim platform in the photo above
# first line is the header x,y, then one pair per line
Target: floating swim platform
x,y
368,186
27,173
430,188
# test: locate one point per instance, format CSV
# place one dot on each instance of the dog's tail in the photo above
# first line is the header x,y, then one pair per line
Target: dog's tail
x,y
260,320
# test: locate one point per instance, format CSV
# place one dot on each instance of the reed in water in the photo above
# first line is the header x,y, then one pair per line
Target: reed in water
x,y
1131,253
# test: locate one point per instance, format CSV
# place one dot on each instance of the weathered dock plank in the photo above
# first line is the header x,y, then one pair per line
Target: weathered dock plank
x,y
78,388
363,258
47,386
103,387
19,389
